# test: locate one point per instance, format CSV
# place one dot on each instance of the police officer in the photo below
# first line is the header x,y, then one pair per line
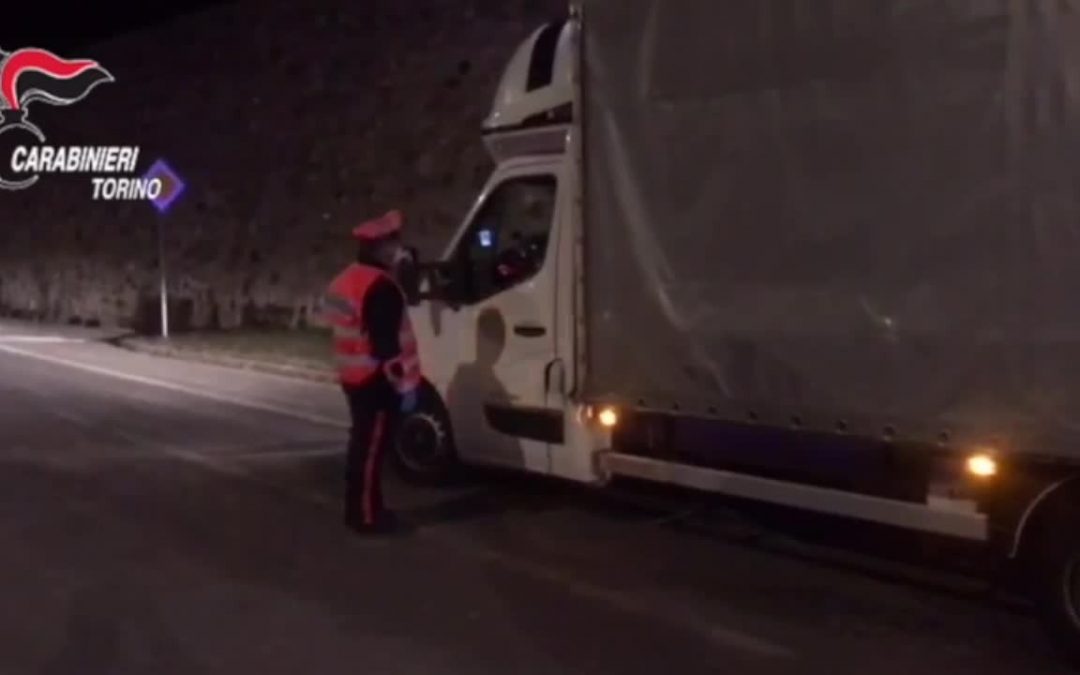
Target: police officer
x,y
378,366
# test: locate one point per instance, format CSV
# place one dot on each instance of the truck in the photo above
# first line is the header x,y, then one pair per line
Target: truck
x,y
817,254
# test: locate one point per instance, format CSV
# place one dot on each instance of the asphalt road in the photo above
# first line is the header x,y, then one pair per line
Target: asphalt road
x,y
166,517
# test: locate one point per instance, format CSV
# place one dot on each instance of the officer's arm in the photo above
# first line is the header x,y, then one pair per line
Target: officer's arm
x,y
384,309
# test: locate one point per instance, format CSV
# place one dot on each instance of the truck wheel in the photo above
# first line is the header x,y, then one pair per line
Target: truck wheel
x,y
1057,586
424,451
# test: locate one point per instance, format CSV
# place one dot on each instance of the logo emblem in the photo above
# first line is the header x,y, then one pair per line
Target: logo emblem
x,y
30,75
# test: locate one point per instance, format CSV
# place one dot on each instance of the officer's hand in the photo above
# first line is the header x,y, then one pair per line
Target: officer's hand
x,y
408,402
395,371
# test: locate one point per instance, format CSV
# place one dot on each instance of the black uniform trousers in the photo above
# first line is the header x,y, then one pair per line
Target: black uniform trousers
x,y
375,410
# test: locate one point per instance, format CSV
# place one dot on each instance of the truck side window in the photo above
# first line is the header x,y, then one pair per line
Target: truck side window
x,y
507,241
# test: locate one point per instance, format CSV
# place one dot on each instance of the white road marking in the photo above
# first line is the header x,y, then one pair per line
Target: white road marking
x,y
220,464
211,463
282,455
172,386
38,339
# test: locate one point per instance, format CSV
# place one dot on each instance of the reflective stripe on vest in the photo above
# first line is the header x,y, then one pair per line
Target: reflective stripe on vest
x,y
348,333
364,361
332,302
352,347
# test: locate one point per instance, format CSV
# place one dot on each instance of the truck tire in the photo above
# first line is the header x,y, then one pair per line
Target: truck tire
x,y
1057,584
424,452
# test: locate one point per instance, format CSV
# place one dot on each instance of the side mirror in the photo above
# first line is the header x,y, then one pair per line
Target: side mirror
x,y
443,282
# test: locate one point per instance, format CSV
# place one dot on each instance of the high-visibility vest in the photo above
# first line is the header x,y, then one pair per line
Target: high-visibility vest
x,y
343,306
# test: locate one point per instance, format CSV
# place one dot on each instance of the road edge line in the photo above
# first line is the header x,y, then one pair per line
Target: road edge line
x,y
172,386
326,377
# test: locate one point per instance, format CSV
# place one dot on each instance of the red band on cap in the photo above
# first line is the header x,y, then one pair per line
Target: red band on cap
x,y
383,226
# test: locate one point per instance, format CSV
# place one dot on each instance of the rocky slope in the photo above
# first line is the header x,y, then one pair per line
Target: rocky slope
x,y
290,122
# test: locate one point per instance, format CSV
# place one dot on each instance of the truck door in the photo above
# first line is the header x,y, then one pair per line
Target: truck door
x,y
505,323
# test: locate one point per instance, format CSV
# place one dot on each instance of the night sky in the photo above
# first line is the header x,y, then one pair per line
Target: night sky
x,y
63,26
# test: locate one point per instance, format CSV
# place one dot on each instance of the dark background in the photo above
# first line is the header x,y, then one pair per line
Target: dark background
x,y
288,121
62,26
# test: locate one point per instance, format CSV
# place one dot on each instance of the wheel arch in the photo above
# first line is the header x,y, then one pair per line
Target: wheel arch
x,y
1061,495
431,397
430,412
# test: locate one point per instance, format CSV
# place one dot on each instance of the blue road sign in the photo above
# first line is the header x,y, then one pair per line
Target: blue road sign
x,y
171,185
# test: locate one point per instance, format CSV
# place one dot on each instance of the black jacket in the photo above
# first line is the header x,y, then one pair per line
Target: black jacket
x,y
382,314
383,311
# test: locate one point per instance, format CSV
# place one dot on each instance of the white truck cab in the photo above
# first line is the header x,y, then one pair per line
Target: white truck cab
x,y
497,347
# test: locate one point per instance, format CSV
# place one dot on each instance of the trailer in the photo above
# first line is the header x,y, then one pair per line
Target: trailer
x,y
821,254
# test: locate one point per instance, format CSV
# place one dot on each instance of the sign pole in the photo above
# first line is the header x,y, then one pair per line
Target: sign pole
x,y
170,188
164,279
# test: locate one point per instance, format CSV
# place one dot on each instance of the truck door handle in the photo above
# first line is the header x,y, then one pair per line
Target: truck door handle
x,y
529,330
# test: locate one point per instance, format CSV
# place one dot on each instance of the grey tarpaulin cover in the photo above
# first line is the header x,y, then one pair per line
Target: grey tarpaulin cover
x,y
861,208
